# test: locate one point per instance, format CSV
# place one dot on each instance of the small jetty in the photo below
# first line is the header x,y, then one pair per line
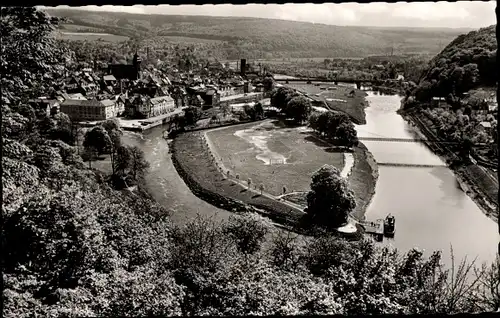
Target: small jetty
x,y
380,227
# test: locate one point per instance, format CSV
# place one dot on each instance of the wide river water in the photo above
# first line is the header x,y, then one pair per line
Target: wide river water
x,y
431,211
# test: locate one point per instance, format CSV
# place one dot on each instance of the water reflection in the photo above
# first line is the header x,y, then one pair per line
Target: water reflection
x,y
164,183
431,211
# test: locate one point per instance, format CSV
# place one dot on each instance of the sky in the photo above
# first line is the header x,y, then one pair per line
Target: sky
x,y
461,14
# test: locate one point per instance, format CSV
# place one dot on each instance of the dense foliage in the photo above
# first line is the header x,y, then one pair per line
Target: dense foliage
x,y
330,200
235,38
336,127
292,104
467,62
73,245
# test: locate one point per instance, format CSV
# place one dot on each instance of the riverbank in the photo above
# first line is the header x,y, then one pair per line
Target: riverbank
x,y
208,179
473,180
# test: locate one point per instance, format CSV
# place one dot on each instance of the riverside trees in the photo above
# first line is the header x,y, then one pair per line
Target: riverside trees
x,y
335,126
291,103
330,200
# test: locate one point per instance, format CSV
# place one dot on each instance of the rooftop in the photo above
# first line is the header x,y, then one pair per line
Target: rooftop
x,y
81,102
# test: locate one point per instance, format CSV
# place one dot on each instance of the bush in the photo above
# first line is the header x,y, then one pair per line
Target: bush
x,y
248,232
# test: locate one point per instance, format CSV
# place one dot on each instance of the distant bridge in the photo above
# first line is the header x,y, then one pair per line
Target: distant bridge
x,y
405,140
414,140
324,79
408,165
358,82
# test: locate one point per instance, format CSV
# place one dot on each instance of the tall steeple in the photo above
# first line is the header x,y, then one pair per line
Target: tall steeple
x,y
137,64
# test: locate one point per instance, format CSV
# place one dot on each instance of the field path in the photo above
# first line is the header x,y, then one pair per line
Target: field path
x,y
222,168
348,160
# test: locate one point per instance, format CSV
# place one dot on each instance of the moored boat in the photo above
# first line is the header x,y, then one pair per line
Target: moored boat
x,y
389,225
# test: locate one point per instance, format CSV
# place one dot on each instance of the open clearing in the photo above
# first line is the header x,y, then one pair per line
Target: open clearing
x,y
337,97
273,155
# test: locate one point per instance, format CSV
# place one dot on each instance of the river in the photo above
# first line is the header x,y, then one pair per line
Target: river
x,y
163,182
431,210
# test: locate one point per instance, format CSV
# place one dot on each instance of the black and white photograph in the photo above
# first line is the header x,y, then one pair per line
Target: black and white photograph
x,y
289,159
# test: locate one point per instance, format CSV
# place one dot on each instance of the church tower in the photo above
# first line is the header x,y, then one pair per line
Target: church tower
x,y
137,64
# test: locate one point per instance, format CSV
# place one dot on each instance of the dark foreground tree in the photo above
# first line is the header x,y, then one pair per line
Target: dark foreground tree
x,y
138,164
28,52
330,200
259,110
192,115
298,108
98,138
346,135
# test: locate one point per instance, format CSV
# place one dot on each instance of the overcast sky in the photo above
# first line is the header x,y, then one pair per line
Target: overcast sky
x,y
462,14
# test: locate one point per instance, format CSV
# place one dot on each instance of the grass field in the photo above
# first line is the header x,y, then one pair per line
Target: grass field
x,y
195,159
338,98
79,36
248,149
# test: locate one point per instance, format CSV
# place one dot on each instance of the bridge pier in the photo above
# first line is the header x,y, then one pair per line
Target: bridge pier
x,y
358,85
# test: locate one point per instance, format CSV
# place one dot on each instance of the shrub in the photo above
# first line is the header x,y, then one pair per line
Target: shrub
x,y
248,232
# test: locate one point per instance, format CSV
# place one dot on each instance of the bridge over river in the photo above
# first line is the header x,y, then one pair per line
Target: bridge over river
x,y
405,140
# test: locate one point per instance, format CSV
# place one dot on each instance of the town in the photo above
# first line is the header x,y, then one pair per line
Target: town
x,y
139,95
185,165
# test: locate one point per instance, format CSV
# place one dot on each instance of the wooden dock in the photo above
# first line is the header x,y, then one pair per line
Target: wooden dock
x,y
373,227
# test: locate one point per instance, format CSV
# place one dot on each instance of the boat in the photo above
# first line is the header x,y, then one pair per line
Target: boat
x,y
389,225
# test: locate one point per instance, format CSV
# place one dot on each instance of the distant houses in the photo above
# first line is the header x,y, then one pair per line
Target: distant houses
x,y
109,90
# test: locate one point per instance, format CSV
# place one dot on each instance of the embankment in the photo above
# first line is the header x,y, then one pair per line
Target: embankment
x,y
193,161
363,179
473,179
192,158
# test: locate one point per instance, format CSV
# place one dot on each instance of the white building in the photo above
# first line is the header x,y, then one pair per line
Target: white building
x,y
157,106
80,110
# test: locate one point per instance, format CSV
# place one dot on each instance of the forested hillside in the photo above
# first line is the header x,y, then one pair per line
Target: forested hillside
x,y
74,244
265,38
469,61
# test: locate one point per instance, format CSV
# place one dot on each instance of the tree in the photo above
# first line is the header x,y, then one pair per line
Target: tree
x,y
249,181
98,138
27,30
111,125
225,109
115,138
261,188
250,112
330,200
298,108
323,122
279,97
248,231
259,110
346,135
192,115
313,121
138,164
268,83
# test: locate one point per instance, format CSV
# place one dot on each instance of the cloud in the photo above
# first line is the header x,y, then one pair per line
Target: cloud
x,y
470,14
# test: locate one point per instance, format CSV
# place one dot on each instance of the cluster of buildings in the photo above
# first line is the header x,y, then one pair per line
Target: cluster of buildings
x,y
118,90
